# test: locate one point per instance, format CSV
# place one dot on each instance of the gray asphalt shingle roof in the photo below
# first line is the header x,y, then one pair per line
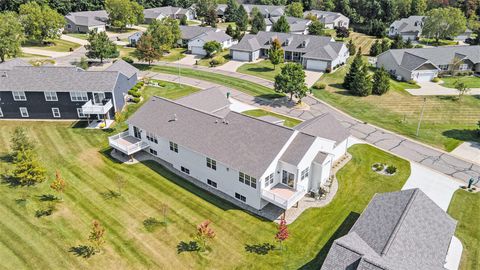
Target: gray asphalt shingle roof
x,y
266,10
297,149
325,17
296,24
219,36
324,126
124,68
400,230
16,62
88,18
167,11
412,24
189,32
210,100
313,47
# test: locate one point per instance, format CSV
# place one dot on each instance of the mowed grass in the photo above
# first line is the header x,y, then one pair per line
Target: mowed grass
x,y
222,58
288,121
174,55
58,45
78,35
82,157
470,81
361,41
263,69
464,208
239,84
446,122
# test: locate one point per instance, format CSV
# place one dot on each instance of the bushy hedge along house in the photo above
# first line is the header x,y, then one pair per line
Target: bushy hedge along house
x,y
248,159
424,64
313,52
52,92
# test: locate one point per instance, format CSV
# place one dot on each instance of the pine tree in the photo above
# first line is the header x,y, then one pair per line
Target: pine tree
x,y
258,21
231,10
361,84
354,68
376,48
351,47
381,82
281,25
27,170
241,19
20,142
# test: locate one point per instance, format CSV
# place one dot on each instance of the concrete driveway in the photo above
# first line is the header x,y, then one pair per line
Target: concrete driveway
x,y
312,77
231,65
189,59
469,151
435,89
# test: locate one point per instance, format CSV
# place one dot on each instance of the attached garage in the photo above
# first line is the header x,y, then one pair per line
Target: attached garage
x,y
424,76
319,65
241,56
198,50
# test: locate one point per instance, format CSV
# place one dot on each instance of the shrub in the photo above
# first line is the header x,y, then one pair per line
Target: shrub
x,y
132,92
418,46
328,70
136,99
214,62
319,85
140,84
136,94
436,79
127,59
412,82
151,224
378,167
391,169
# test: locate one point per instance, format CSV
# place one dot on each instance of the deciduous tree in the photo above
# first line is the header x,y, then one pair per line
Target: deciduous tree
x,y
145,49
11,35
275,55
282,232
281,25
316,28
342,32
100,46
40,22
205,233
461,88
123,12
165,33
295,9
97,235
203,7
212,47
58,184
291,80
444,23
418,7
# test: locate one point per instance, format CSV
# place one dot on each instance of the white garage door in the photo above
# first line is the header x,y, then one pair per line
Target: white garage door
x,y
198,50
316,65
241,56
423,76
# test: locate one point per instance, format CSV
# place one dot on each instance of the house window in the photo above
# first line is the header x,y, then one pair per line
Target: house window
x,y
269,180
212,164
443,67
80,113
463,67
304,173
153,152
51,96
19,96
240,197
56,112
23,112
151,137
174,147
78,96
185,170
212,183
1,112
247,180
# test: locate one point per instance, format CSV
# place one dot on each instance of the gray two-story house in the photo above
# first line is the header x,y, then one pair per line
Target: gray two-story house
x,y
53,92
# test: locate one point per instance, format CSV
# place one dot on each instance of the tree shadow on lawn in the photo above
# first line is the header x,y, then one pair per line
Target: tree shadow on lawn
x,y
259,249
260,69
346,225
466,135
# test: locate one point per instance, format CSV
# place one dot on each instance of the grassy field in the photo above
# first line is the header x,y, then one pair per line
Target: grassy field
x,y
222,58
464,208
82,157
289,122
470,81
59,45
361,41
78,35
263,69
441,42
239,84
446,121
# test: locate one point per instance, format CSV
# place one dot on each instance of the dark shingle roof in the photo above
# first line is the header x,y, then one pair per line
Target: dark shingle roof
x,y
124,68
88,18
324,126
400,230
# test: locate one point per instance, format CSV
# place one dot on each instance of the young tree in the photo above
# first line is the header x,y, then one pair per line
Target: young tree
x,y
397,42
58,185
204,233
281,25
381,82
123,12
354,68
316,28
385,45
164,207
258,21
342,32
361,84
230,31
418,7
461,88
183,20
291,80
282,232
212,47
20,142
351,47
40,22
275,55
11,35
203,7
121,183
231,10
376,48
295,9
27,171
100,46
145,49
241,19
444,23
97,235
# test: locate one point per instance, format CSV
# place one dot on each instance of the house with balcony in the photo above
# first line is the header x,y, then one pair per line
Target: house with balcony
x,y
55,92
248,159
313,52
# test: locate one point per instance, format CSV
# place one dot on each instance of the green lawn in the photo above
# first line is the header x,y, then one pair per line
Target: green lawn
x,y
289,122
441,42
470,81
82,157
222,57
446,122
78,35
239,84
193,23
263,69
125,51
59,45
224,25
465,208
174,55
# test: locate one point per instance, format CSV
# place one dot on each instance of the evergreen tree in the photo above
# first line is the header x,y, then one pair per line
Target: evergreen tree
x,y
183,20
397,42
231,11
241,19
258,21
316,28
381,82
351,47
385,45
361,84
230,31
27,170
276,53
281,25
376,48
354,68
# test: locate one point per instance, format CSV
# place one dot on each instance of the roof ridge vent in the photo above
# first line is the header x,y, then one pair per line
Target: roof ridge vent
x,y
174,118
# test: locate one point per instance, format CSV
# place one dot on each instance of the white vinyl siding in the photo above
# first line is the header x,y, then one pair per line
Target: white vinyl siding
x,y
78,96
51,96
24,112
173,147
247,180
212,164
19,96
240,197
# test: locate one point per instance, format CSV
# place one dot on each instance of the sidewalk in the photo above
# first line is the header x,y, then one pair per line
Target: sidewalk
x,y
435,89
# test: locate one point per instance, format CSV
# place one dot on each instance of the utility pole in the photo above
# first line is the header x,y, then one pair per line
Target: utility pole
x,y
421,116
178,69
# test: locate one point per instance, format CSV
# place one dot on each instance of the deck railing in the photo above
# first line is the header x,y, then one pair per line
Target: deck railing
x,y
127,149
281,201
90,108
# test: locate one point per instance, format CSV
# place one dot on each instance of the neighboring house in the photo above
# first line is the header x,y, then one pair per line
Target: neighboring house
x,y
267,11
85,21
190,32
168,11
424,64
195,45
313,52
248,159
133,38
411,28
221,10
401,230
329,19
53,92
297,25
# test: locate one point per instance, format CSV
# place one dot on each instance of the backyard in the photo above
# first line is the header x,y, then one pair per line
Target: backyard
x,y
446,123
288,121
57,45
470,81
